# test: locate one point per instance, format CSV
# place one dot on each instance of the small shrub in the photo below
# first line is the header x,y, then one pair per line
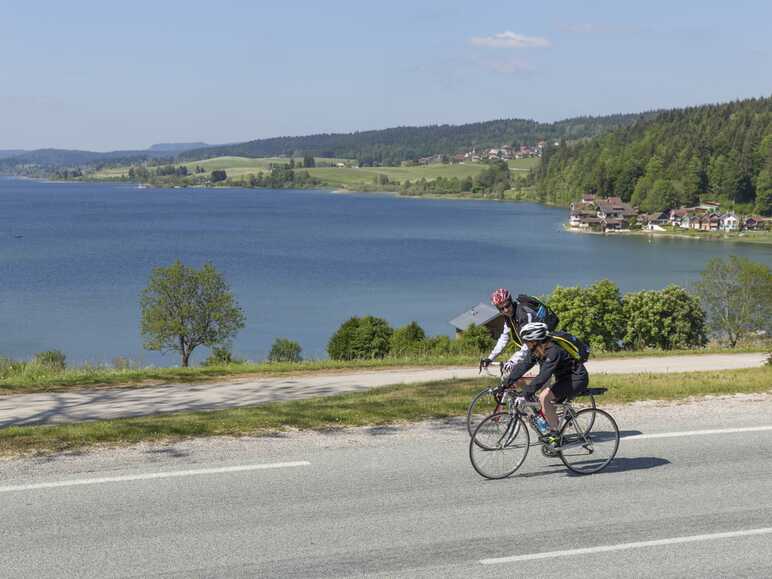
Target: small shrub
x,y
220,356
9,366
284,350
477,340
51,360
121,363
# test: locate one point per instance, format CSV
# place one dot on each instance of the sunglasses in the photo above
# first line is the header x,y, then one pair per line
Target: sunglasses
x,y
505,307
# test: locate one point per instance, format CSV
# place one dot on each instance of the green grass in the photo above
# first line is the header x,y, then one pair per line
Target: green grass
x,y
351,177
523,164
389,405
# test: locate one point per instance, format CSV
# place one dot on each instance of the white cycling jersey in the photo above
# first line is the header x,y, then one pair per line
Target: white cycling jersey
x,y
502,342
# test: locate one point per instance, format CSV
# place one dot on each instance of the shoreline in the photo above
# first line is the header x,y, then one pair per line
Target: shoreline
x,y
706,236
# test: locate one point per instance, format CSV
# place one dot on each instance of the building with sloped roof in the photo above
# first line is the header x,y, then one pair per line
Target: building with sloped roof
x,y
480,315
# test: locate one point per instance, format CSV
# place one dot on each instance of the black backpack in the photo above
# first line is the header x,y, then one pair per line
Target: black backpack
x,y
578,349
529,309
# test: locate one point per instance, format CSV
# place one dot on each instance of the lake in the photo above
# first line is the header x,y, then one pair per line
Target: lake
x,y
74,258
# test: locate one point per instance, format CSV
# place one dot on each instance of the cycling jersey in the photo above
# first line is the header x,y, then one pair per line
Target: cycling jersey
x,y
570,375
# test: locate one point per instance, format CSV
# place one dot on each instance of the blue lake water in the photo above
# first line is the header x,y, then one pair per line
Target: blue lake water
x,y
74,258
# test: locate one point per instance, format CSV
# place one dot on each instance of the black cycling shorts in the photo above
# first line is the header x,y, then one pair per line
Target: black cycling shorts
x,y
569,386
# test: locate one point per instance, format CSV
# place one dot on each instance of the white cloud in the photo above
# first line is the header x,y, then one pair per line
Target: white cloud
x,y
510,39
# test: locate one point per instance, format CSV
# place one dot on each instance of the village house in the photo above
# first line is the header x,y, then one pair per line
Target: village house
x,y
729,222
601,214
480,315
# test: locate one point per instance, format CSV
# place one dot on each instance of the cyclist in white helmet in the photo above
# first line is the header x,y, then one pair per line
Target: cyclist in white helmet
x,y
570,374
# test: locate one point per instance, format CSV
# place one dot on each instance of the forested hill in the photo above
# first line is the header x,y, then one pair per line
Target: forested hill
x,y
391,146
721,151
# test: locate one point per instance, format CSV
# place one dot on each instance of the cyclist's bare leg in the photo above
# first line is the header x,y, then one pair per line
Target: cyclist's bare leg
x,y
547,400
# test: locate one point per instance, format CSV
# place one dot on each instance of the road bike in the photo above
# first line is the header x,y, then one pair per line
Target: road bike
x,y
488,400
588,438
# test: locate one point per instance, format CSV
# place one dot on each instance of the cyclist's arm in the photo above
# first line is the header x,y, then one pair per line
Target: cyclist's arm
x,y
519,364
547,368
500,344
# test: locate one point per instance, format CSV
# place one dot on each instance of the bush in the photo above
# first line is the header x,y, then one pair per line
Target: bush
x,y
121,363
360,339
593,314
406,340
477,340
9,366
666,319
51,360
284,350
220,356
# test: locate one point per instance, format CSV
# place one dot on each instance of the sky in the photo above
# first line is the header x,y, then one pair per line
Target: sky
x,y
101,75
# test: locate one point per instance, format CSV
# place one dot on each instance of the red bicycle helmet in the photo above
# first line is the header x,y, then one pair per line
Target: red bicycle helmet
x,y
500,297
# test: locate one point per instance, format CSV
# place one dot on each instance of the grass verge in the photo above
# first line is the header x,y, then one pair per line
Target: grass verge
x,y
393,404
31,378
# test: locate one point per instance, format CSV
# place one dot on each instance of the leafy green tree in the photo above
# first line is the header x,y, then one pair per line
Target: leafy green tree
x,y
666,319
183,308
360,339
309,161
593,314
284,350
737,296
218,175
407,339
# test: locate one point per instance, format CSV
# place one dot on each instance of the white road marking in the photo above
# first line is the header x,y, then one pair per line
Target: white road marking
x,y
625,546
150,476
697,432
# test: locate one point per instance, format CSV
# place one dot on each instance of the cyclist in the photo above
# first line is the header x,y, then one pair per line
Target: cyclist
x,y
502,299
570,374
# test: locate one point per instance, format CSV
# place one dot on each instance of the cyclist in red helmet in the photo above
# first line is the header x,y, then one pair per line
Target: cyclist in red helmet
x,y
502,299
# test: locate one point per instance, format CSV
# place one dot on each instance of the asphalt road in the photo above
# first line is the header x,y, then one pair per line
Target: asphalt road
x,y
403,502
101,404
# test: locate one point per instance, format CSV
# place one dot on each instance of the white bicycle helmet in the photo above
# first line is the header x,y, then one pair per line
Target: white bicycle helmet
x,y
534,332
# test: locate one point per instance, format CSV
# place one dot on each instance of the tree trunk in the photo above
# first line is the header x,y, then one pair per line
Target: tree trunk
x,y
185,352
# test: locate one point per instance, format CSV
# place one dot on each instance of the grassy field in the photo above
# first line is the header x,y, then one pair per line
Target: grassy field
x,y
524,165
389,405
344,177
352,177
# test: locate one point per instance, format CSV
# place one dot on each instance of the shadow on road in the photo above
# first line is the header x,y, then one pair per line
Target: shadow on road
x,y
625,464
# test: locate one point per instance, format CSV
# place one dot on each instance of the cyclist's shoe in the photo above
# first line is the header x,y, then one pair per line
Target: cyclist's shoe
x,y
551,439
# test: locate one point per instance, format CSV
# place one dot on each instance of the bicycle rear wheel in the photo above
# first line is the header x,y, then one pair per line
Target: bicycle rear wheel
x,y
582,402
499,445
482,405
589,450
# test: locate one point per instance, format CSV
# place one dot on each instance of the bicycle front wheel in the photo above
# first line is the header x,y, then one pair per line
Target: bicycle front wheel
x,y
499,445
589,450
482,405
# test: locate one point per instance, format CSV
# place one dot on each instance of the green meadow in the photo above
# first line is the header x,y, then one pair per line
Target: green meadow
x,y
349,177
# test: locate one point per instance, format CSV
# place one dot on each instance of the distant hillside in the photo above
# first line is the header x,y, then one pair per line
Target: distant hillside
x,y
43,160
722,151
175,147
391,146
5,153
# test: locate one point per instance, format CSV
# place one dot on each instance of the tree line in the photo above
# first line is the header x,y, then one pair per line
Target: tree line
x,y
720,151
183,308
394,145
